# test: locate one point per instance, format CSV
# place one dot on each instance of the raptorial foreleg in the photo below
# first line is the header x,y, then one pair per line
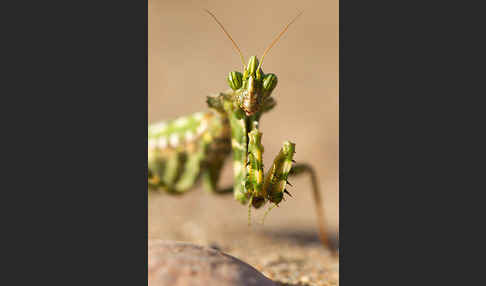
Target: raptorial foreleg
x,y
276,180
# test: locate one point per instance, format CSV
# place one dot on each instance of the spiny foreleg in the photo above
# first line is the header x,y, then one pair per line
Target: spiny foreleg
x,y
277,178
271,187
254,167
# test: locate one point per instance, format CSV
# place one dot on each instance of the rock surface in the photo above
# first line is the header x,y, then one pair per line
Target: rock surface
x,y
184,264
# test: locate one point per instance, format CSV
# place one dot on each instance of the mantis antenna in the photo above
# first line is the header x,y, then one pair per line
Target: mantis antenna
x,y
228,35
277,38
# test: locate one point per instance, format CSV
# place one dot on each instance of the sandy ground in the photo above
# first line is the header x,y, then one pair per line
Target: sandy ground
x,y
189,58
285,248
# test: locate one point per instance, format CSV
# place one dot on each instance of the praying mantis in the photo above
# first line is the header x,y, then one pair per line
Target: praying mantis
x,y
194,148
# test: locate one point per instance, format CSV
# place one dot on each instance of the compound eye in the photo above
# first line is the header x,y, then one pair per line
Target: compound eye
x,y
270,82
235,80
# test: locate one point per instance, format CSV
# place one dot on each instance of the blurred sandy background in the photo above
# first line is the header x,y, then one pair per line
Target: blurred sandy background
x,y
190,57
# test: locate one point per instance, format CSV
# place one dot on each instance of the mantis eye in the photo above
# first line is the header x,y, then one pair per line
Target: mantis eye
x,y
235,80
269,82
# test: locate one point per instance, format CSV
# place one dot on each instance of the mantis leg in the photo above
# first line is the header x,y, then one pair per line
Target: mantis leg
x,y
303,168
177,172
198,163
165,171
210,178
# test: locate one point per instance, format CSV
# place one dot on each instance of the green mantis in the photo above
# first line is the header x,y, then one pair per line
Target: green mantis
x,y
190,149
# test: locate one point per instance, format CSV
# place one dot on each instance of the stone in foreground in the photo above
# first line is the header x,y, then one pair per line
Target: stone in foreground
x,y
183,264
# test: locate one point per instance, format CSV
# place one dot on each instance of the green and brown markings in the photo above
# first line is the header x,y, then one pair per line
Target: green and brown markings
x,y
190,149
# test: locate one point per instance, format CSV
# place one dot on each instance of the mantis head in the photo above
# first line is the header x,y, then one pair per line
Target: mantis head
x,y
252,86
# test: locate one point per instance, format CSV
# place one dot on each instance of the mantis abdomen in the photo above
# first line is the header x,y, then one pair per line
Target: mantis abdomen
x,y
181,150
